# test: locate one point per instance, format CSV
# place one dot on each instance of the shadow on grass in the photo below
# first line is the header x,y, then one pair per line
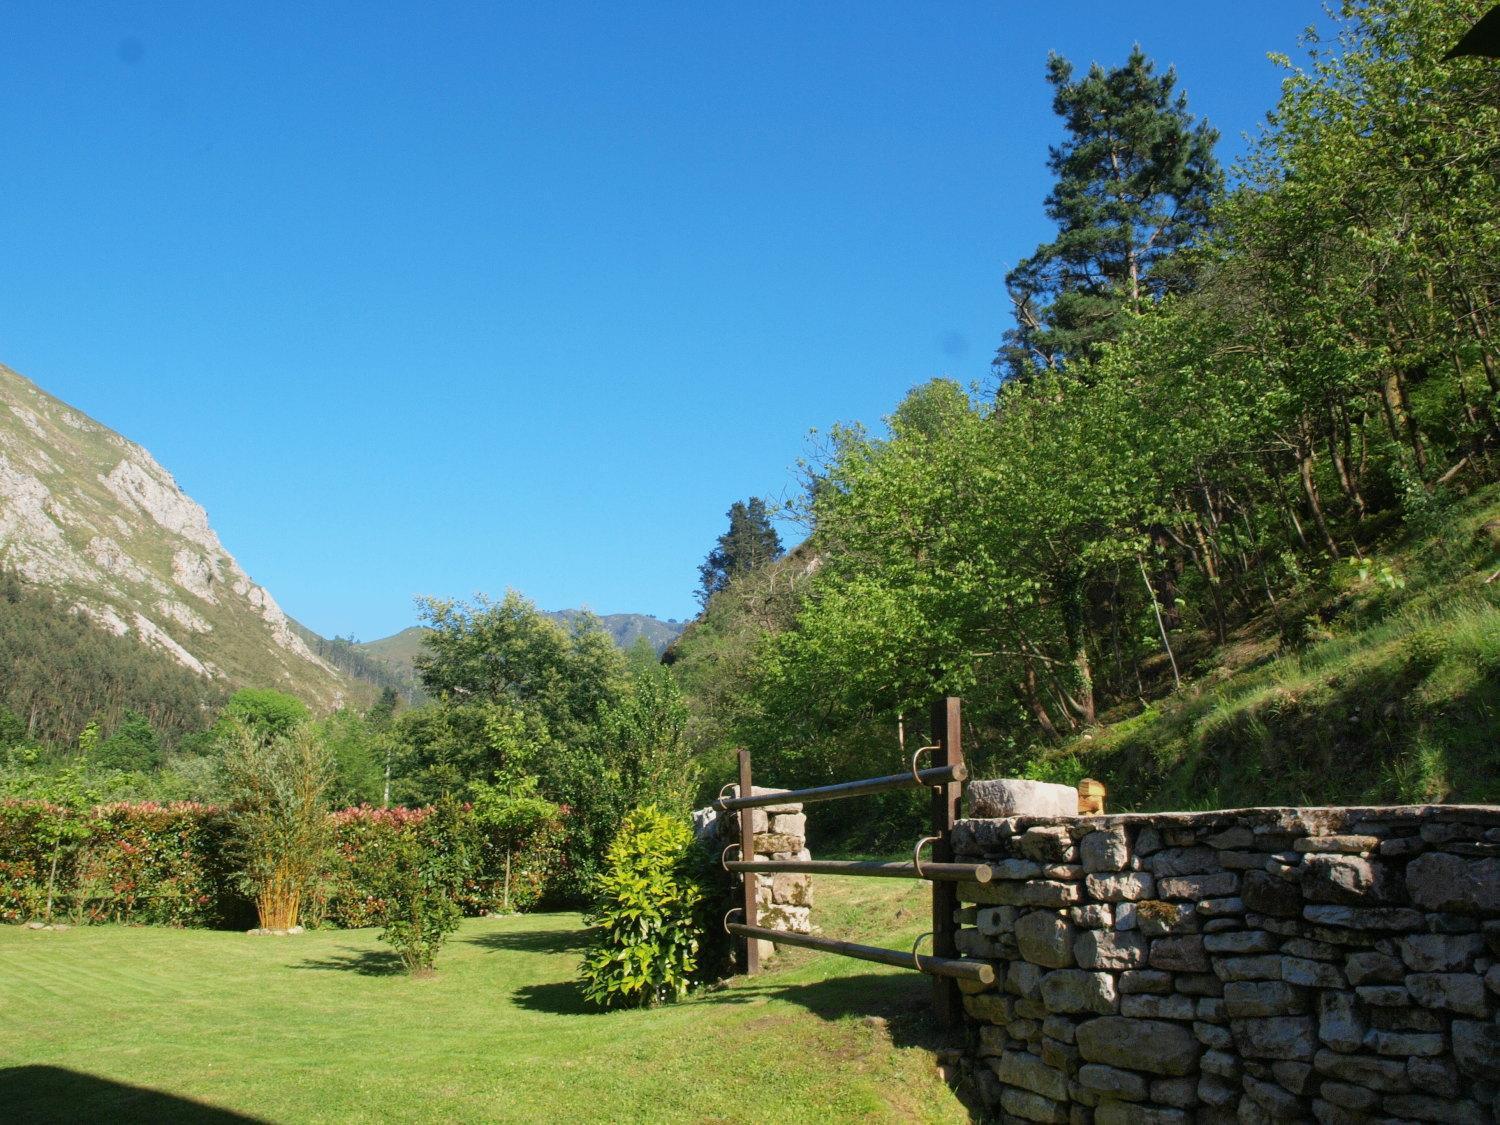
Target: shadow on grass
x,y
367,962
534,941
34,1094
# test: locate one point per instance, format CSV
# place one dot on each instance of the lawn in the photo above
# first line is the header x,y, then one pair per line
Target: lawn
x,y
115,1023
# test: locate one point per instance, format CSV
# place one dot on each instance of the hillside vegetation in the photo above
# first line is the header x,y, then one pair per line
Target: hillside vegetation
x,y
1224,532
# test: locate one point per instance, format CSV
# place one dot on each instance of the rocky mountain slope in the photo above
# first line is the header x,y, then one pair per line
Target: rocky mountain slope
x,y
91,515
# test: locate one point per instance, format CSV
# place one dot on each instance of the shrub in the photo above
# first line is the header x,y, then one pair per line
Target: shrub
x,y
417,877
277,786
648,913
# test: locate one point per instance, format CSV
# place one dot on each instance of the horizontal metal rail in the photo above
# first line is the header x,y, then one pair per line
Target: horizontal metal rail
x,y
938,775
980,971
944,872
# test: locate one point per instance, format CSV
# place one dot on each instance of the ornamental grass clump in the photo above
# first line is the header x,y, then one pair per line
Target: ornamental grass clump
x,y
280,831
648,915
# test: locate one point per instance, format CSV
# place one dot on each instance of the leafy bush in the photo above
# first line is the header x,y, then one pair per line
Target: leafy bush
x,y
648,913
418,876
281,831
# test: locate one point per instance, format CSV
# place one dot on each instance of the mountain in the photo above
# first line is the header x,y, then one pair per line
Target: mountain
x,y
92,517
399,652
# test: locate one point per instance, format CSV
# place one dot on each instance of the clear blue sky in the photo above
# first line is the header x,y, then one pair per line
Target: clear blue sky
x,y
440,298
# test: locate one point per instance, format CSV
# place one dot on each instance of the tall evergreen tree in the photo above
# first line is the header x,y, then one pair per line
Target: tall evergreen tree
x,y
749,543
1136,176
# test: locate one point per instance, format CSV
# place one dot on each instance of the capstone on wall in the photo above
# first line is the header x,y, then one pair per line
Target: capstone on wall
x,y
1330,965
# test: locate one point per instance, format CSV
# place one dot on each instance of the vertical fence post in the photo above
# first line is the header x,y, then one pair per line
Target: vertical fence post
x,y
750,961
947,734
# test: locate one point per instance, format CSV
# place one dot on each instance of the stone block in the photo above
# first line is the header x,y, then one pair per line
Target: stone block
x,y
1015,868
1295,1076
1312,950
1154,1046
1340,1024
1059,1028
1179,954
1461,993
1079,991
1023,1069
1262,966
1385,1075
1404,1044
1011,796
991,1007
1184,861
1105,850
1129,887
1251,998
1112,1080
1180,1093
1383,995
1244,941
1045,938
1348,845
1311,974
1343,879
1214,1091
1275,1037
1032,1107
1372,968
1435,1076
1348,1096
790,824
1265,894
1220,884
1146,1006
1109,949
1388,919
1222,1063
1137,981
996,920
1198,984
1421,1107
1440,953
1137,1113
1221,907
1281,1104
1438,881
794,890
1063,872
1092,916
1476,1049
1047,844
1023,979
1237,836
1154,917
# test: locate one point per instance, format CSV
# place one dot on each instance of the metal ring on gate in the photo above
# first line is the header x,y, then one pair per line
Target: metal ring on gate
x,y
915,960
728,785
916,853
915,776
727,913
735,844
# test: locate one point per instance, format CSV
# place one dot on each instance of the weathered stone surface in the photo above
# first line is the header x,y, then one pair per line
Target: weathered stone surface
x,y
1435,1076
1023,1069
991,1007
1047,844
1404,1044
1265,894
1372,968
1198,984
1136,1113
1151,1007
794,890
1209,1009
1179,954
1105,850
1312,950
1198,886
1272,1098
1421,1107
1462,993
1245,941
790,824
1350,845
1032,1107
1155,1046
1222,1063
1184,861
1109,949
1348,1096
1045,938
1440,953
1076,991
1015,868
995,920
1340,1024
1221,907
1363,1070
1129,887
1236,837
1213,1036
1311,974
1250,998
1275,1037
1155,918
1145,980
767,843
1011,796
1180,1093
1295,1076
1437,881
1263,966
1214,1091
1393,919
1476,1049
1024,979
1383,995
1059,1028
1112,1080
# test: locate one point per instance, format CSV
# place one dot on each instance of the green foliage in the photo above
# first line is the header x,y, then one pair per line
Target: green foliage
x,y
265,713
418,876
751,542
59,671
277,787
132,747
647,915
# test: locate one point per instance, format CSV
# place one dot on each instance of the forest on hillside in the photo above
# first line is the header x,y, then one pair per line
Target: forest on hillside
x,y
1221,528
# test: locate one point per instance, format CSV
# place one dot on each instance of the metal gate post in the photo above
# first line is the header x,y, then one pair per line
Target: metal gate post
x,y
947,734
750,962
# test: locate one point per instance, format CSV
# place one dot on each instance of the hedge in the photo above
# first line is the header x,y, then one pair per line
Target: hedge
x,y
147,863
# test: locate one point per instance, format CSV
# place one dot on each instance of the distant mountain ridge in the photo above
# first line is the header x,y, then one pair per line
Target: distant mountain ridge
x,y
92,516
399,651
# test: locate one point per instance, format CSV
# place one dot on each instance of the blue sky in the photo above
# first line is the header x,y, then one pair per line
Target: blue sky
x,y
442,298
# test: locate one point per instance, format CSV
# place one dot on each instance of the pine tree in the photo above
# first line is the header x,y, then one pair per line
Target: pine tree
x,y
749,543
1135,179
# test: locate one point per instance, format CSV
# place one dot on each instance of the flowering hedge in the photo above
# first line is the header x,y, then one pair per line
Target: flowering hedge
x,y
148,863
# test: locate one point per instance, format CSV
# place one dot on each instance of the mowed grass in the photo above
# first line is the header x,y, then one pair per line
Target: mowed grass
x,y
116,1023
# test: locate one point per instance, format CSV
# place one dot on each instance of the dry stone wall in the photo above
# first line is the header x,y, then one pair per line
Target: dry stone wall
x,y
783,901
1330,965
